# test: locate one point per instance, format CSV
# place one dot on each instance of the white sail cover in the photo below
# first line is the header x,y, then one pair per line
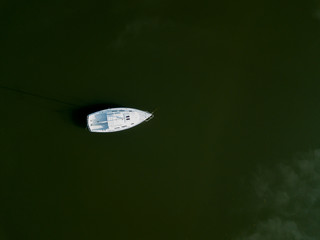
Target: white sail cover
x,y
116,119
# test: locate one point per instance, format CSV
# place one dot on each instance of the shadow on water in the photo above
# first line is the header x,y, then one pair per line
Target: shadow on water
x,y
79,115
16,90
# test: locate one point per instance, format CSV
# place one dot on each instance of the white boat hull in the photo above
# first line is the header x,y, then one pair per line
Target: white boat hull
x,y
116,119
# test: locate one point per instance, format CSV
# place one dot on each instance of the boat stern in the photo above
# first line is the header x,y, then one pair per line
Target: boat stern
x,y
98,122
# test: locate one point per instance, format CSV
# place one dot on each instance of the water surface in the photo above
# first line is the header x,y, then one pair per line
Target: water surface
x,y
236,88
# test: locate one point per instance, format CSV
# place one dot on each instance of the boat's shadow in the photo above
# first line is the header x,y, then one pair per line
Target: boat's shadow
x,y
78,115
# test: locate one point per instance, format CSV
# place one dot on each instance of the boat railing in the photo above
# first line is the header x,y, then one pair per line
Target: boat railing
x,y
149,118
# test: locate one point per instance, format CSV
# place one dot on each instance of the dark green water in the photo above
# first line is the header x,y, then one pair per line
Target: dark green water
x,y
231,153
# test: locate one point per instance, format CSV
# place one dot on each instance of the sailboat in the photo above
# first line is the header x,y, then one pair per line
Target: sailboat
x,y
116,119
